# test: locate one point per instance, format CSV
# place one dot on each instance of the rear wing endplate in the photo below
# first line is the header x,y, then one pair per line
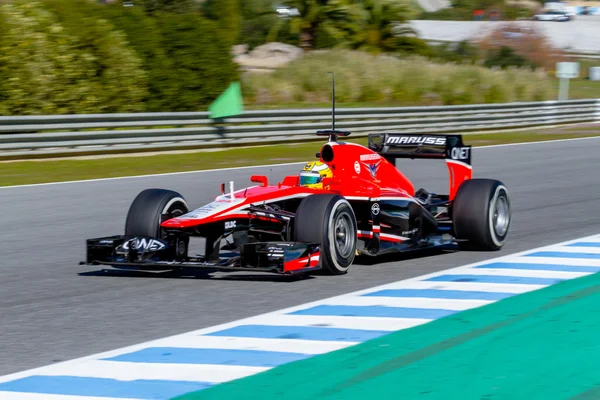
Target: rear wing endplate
x,y
424,146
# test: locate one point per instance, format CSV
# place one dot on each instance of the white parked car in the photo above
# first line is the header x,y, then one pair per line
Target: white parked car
x,y
560,16
286,12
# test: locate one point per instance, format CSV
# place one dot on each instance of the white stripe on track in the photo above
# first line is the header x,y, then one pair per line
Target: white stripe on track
x,y
129,371
249,343
44,396
526,273
593,240
468,286
575,262
410,302
578,249
332,321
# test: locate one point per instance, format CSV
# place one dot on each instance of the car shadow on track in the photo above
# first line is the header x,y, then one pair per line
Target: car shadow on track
x,y
400,257
226,276
360,261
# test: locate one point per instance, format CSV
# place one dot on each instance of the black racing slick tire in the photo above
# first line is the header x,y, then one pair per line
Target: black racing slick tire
x,y
481,214
329,220
147,209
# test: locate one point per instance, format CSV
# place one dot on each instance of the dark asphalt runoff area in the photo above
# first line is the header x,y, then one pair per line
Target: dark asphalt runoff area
x,y
50,312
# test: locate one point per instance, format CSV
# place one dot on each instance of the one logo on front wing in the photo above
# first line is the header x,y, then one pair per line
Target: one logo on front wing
x,y
144,244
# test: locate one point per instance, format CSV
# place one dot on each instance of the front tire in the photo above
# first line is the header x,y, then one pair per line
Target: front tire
x,y
481,214
147,209
328,220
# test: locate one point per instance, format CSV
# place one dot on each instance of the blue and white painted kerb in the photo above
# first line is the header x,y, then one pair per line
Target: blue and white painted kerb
x,y
172,366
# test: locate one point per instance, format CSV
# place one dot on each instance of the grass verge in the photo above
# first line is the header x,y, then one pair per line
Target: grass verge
x,y
44,171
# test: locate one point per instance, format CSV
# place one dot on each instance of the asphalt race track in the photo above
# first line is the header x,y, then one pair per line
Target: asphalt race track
x,y
52,309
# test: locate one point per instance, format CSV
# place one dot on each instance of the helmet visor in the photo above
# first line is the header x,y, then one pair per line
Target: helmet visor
x,y
309,178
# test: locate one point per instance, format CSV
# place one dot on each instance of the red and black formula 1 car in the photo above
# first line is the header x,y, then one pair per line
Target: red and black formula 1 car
x,y
352,201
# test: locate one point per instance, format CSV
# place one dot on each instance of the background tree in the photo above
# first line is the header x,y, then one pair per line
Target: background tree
x,y
261,24
49,66
170,6
381,24
228,17
201,69
336,19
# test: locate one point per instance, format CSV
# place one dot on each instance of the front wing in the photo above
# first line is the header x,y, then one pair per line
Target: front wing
x,y
156,255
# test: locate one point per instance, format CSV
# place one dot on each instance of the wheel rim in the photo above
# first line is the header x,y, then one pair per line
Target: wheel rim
x,y
501,216
344,240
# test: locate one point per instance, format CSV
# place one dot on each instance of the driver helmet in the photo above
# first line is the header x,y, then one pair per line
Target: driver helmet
x,y
313,173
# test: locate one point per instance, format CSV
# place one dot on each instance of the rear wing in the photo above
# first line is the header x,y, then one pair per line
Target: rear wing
x,y
444,147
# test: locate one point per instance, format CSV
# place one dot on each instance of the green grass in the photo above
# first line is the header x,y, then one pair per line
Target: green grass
x,y
28,172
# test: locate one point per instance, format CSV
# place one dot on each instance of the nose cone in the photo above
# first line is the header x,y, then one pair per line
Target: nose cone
x,y
179,222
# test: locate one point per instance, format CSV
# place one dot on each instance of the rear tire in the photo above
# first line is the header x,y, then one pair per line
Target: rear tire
x,y
481,214
329,220
144,216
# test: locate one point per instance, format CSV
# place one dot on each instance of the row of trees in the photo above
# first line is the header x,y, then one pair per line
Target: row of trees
x,y
82,56
359,24
78,56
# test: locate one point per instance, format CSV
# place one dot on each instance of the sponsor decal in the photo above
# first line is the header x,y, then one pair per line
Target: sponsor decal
x,y
372,168
406,233
357,167
144,244
230,224
106,241
375,209
368,157
438,141
460,153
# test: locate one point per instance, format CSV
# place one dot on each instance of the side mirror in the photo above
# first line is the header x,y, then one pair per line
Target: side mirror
x,y
260,179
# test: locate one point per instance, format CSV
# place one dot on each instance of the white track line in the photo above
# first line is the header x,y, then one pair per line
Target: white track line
x,y
576,262
330,321
130,371
527,273
468,286
266,166
44,396
579,249
248,343
409,302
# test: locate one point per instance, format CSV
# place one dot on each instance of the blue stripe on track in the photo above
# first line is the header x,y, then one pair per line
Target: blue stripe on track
x,y
540,267
563,255
584,244
175,355
495,279
375,311
440,294
100,387
300,332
